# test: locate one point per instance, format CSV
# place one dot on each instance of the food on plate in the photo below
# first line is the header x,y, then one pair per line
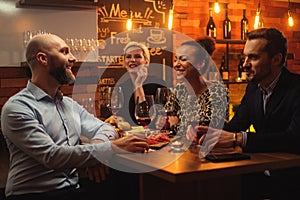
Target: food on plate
x,y
157,138
124,126
137,131
118,122
110,120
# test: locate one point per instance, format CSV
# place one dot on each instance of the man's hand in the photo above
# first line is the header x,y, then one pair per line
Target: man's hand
x,y
130,143
212,137
98,172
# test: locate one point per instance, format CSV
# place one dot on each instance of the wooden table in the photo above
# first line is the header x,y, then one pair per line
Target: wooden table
x,y
188,177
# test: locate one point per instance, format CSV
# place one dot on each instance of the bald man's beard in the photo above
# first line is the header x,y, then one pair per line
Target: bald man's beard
x,y
62,75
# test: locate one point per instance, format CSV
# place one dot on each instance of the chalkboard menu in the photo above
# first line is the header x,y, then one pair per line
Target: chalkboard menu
x,y
150,21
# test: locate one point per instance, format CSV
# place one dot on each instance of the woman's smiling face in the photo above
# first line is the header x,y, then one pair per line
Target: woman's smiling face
x,y
185,62
134,57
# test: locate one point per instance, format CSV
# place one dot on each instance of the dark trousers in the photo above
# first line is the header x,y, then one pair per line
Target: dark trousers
x,y
69,193
127,185
119,185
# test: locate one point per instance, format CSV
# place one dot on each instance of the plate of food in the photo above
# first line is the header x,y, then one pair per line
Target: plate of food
x,y
159,140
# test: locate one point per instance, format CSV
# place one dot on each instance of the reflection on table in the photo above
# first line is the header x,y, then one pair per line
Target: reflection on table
x,y
189,177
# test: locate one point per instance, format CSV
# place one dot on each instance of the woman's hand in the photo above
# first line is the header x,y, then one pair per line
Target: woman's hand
x,y
173,120
141,75
191,134
161,122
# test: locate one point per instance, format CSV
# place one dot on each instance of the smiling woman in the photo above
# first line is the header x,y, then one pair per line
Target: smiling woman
x,y
198,101
137,83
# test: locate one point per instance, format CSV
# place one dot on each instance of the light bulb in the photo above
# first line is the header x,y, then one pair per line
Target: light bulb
x,y
290,19
256,20
129,24
170,23
216,7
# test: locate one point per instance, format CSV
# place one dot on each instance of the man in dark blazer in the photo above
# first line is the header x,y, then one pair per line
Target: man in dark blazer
x,y
272,105
278,127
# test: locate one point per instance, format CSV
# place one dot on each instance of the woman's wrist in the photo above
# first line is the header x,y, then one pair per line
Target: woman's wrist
x,y
139,92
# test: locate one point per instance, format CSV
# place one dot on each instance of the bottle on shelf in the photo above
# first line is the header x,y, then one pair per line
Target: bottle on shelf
x,y
244,25
224,70
226,26
211,29
241,72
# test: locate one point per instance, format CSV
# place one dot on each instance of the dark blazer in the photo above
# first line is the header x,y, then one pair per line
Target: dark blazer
x,y
279,128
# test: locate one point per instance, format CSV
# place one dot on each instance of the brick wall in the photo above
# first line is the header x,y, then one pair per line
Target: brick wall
x,y
191,17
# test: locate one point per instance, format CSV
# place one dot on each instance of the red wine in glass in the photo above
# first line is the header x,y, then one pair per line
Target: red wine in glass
x,y
143,121
143,111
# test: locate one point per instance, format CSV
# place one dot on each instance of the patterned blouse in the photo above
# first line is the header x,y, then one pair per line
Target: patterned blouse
x,y
209,108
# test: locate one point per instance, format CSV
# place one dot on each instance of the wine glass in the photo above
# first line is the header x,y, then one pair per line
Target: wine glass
x,y
162,95
115,99
194,119
144,111
161,98
27,35
88,104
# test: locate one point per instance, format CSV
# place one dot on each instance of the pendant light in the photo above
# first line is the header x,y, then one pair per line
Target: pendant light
x,y
217,7
171,13
290,18
258,22
129,20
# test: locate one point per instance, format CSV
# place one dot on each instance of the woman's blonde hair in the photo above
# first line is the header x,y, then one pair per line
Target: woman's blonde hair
x,y
139,45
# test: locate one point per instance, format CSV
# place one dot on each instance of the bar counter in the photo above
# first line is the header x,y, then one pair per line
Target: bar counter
x,y
190,177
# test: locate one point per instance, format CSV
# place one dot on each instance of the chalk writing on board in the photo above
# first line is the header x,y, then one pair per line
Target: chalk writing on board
x,y
145,17
150,19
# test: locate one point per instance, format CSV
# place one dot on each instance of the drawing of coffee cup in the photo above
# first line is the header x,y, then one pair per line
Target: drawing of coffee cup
x,y
156,34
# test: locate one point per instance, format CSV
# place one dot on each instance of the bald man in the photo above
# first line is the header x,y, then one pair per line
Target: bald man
x,y
42,129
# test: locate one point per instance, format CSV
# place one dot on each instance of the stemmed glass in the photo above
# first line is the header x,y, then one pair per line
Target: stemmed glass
x,y
27,35
161,98
116,99
162,95
144,111
193,118
88,104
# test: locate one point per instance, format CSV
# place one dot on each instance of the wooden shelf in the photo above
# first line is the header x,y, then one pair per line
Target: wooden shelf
x,y
230,41
67,4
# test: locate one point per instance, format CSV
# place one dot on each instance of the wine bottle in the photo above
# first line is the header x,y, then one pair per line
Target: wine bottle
x,y
241,72
211,29
226,26
224,70
244,26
